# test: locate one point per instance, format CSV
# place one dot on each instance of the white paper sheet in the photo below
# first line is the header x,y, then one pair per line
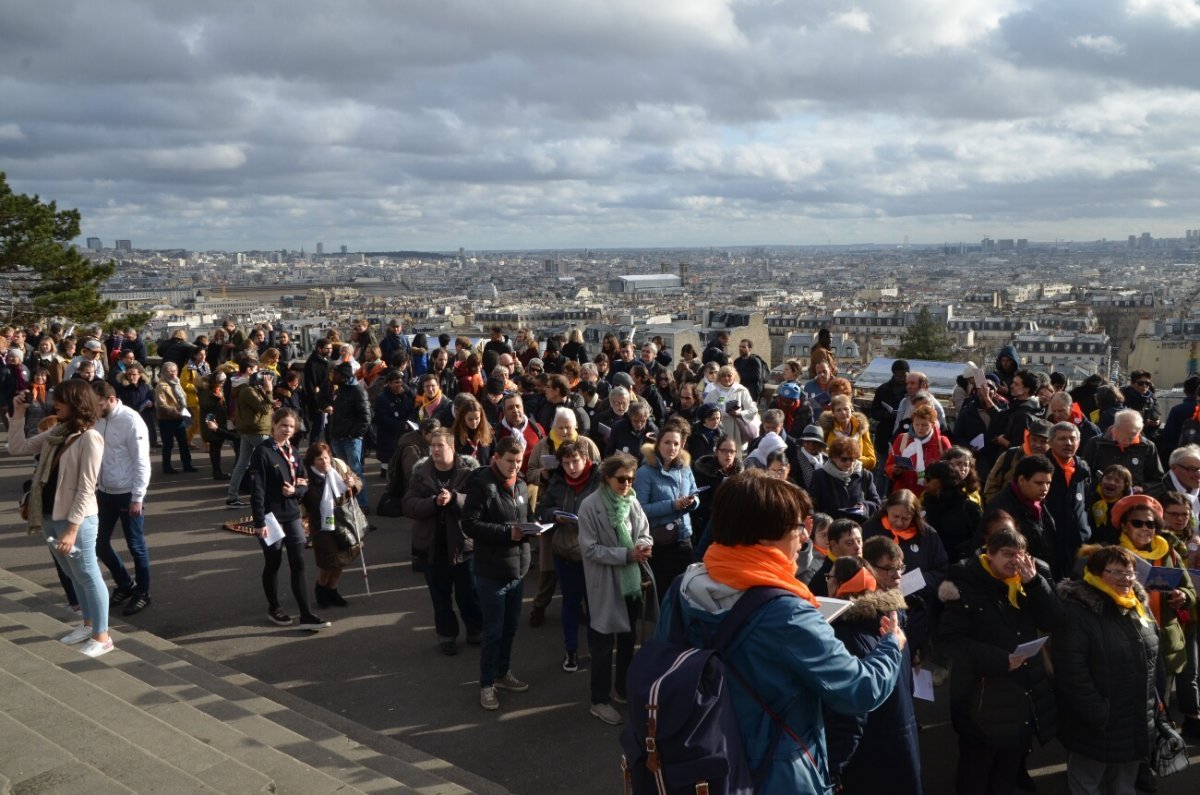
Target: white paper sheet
x,y
1032,647
832,607
274,529
923,684
911,582
533,528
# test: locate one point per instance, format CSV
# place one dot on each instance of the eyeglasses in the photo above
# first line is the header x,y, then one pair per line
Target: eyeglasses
x,y
1121,574
1141,524
1187,468
899,569
845,458
624,480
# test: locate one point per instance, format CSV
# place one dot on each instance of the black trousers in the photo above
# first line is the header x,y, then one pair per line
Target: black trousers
x,y
668,561
601,646
984,770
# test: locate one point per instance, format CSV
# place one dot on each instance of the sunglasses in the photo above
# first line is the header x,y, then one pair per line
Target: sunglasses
x,y
1141,524
624,480
1144,383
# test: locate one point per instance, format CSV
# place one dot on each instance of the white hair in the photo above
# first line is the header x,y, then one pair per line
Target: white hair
x,y
564,413
1129,418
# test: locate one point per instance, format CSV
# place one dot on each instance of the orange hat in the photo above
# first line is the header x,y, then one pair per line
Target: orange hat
x,y
1135,501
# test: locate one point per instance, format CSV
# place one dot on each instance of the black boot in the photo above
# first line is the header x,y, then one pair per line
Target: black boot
x,y
322,596
335,598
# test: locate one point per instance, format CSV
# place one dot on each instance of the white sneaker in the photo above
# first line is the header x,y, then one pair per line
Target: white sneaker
x,y
78,635
94,648
488,699
607,713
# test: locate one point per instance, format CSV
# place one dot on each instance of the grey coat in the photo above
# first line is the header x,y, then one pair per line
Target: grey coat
x,y
603,554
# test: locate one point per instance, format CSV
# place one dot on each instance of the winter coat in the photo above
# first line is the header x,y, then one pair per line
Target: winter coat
x,y
1039,531
858,744
539,476
957,517
980,628
745,426
167,404
574,402
714,352
351,412
699,444
708,473
391,421
211,404
924,552
429,518
907,477
1068,504
624,439
269,470
1140,458
1007,375
791,657
859,429
753,373
887,394
830,495
1002,472
603,558
658,488
489,511
1104,659
1013,423
134,397
318,392
253,416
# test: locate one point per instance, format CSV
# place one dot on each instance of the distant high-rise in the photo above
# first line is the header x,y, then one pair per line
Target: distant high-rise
x,y
1145,241
124,245
94,243
320,249
343,247
1132,241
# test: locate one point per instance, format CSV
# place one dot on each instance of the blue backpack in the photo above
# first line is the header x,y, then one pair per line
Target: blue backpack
x,y
683,734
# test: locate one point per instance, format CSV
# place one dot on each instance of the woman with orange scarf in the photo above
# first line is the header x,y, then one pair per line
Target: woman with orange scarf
x,y
786,652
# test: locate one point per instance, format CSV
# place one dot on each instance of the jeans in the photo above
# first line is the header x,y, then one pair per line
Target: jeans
x,y
601,645
293,539
248,443
112,508
500,604
350,451
83,568
449,583
570,577
173,431
316,425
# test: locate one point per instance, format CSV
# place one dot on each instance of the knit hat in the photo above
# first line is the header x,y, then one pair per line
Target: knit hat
x,y
623,379
344,369
494,386
900,366
706,410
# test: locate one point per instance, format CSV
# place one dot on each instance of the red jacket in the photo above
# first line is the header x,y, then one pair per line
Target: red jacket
x,y
908,477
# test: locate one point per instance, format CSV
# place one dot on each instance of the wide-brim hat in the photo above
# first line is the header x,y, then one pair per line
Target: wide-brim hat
x,y
812,433
1126,504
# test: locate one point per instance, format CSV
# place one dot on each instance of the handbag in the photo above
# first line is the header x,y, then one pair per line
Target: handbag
x,y
1170,752
665,534
564,541
349,523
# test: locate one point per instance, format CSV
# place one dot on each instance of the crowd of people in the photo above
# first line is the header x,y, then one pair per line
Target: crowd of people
x,y
1030,510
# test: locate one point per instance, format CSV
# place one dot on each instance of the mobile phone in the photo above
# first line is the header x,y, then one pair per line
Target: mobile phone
x,y
210,417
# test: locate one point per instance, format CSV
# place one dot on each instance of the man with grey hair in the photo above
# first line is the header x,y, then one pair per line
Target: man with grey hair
x,y
1059,410
1124,444
1069,493
1183,476
914,383
632,431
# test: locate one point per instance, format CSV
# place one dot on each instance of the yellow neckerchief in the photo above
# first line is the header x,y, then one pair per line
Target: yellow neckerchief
x,y
1159,548
1015,588
557,439
1130,602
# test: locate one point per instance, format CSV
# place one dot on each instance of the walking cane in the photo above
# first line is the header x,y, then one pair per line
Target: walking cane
x,y
362,558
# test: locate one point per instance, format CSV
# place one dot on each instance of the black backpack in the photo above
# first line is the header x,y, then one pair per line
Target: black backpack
x,y
683,734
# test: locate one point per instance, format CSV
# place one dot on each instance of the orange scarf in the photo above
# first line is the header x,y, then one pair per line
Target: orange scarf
x,y
1068,467
859,583
1123,447
39,392
1025,444
899,535
743,567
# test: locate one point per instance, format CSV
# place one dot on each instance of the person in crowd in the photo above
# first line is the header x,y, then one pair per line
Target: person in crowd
x,y
39,401
93,352
645,391
900,519
14,378
633,431
710,472
1109,401
1024,500
789,399
558,395
170,404
666,489
496,506
999,700
575,349
1007,365
770,442
498,342
1178,518
134,392
1023,408
916,384
842,420
753,372
1104,655
664,390
886,561
570,483
391,412
1114,483
394,340
255,403
62,502
517,425
120,495
816,390
214,427
86,371
879,750
759,525
913,451
371,371
716,351
886,403
330,483
840,487
843,539
432,402
1062,409
810,456
1124,444
951,502
706,432
318,391
473,434
1183,475
739,411
1169,439
196,368
349,420
1069,487
688,369
418,354
1139,396
440,365
1036,442
47,356
277,487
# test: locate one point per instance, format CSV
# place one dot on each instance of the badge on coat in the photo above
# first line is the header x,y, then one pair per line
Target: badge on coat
x,y
1133,460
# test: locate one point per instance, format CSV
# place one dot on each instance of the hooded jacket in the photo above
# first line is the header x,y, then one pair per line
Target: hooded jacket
x,y
658,488
859,429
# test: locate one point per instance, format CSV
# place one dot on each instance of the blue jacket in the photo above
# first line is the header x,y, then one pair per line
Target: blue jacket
x,y
1176,417
795,663
658,488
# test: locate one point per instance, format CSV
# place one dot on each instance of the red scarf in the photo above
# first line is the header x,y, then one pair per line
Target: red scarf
x,y
579,483
1036,507
899,535
507,482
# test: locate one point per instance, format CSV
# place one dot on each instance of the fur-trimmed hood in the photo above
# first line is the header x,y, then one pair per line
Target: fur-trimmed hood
x,y
870,605
650,455
1091,598
858,422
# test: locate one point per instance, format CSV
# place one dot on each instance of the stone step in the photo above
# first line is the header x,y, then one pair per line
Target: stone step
x,y
247,719
38,765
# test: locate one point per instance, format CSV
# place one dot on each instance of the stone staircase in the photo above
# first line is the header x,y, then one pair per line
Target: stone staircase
x,y
151,717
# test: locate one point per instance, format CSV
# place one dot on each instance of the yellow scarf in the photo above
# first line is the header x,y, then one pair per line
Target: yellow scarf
x,y
1015,588
558,438
1130,602
1159,548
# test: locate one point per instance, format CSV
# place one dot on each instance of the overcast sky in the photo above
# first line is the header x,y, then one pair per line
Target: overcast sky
x,y
567,123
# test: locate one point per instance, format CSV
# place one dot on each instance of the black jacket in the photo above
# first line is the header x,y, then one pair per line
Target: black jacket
x,y
980,628
624,439
1068,503
351,412
889,393
753,372
924,552
833,497
318,392
391,413
574,402
956,517
1040,533
559,496
715,352
489,511
1104,659
269,470
429,518
708,473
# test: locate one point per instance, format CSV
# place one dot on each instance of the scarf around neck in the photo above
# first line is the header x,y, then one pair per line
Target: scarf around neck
x,y
1159,548
557,439
899,535
55,438
1067,466
833,471
744,567
1015,588
617,507
1130,602
508,482
916,450
580,483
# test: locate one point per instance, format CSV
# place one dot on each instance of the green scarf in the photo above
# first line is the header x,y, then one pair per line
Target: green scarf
x,y
618,517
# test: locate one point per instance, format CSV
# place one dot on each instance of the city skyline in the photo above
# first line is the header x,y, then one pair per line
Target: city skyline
x,y
515,125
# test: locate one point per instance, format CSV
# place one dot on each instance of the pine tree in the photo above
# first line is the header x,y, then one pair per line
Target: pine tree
x,y
46,275
926,339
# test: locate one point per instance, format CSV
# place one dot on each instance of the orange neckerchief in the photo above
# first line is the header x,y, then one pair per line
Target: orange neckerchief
x,y
39,392
1068,467
899,535
423,401
1123,447
859,583
743,567
1025,444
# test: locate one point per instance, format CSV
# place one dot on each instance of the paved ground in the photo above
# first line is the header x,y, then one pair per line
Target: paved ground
x,y
380,665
